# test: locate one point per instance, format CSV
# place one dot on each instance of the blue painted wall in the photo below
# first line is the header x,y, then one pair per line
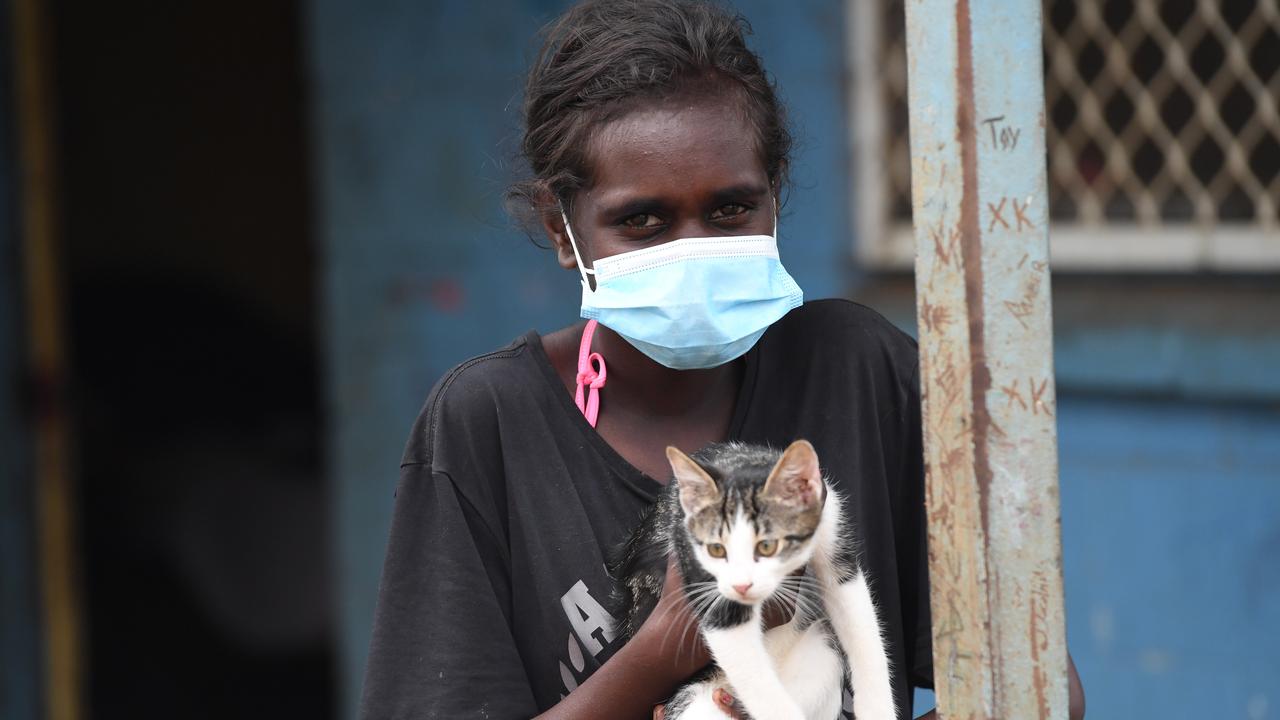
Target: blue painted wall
x,y
1169,506
1171,534
415,107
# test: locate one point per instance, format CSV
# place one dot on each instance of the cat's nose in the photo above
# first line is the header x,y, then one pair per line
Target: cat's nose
x,y
742,589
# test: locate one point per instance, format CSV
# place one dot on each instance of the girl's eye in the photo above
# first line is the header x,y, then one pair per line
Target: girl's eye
x,y
715,550
728,211
642,220
766,548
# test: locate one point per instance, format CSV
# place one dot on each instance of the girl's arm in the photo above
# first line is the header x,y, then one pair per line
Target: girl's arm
x,y
442,645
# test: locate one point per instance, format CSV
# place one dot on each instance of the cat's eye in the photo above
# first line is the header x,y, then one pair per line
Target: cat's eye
x,y
766,548
715,550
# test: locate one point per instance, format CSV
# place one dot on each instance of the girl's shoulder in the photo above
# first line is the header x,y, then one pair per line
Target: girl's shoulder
x,y
843,331
469,399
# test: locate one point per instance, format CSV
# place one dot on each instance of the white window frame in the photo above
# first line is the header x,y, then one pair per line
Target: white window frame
x,y
882,242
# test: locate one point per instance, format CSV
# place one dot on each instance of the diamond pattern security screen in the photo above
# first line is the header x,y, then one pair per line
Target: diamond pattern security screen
x,y
1163,130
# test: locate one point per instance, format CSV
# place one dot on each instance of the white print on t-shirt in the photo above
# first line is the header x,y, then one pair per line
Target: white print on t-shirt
x,y
592,624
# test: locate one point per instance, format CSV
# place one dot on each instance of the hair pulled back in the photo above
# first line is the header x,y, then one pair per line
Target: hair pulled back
x,y
602,56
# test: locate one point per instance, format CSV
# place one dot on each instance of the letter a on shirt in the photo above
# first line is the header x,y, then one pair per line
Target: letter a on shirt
x,y
588,617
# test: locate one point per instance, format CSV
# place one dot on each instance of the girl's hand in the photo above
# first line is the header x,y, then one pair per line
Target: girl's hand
x,y
673,629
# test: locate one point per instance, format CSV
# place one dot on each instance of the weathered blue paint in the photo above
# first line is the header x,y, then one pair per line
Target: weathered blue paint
x,y
1171,360
412,103
802,45
1171,530
20,657
415,124
1170,533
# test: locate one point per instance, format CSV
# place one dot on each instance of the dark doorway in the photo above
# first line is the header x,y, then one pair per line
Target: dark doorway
x,y
192,318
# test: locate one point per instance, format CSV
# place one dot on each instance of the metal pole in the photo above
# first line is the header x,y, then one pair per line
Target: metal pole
x,y
982,286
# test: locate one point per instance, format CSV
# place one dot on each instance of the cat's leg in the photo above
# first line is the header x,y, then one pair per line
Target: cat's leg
x,y
740,652
853,617
811,667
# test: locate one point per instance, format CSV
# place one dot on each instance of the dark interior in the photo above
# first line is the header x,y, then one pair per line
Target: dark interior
x,y
203,539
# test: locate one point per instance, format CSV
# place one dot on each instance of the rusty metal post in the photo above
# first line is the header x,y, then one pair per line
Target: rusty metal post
x,y
976,93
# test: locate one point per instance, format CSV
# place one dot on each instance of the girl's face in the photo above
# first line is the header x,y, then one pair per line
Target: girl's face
x,y
685,167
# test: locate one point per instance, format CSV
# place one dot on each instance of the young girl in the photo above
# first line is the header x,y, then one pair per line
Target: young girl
x,y
647,121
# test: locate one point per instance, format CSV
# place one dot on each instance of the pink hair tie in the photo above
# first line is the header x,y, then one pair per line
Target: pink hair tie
x,y
591,373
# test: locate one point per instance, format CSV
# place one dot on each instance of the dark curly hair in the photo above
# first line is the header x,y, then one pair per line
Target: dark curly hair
x,y
603,56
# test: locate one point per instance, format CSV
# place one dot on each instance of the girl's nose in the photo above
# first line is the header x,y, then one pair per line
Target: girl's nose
x,y
694,227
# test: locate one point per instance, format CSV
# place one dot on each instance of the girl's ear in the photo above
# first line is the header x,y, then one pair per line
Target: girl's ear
x,y
553,225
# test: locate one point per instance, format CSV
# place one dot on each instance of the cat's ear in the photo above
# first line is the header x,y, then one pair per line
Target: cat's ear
x,y
697,488
796,478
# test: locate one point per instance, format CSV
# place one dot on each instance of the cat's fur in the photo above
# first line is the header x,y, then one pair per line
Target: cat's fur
x,y
736,496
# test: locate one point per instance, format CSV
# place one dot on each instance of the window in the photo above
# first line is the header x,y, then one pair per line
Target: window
x,y
1163,124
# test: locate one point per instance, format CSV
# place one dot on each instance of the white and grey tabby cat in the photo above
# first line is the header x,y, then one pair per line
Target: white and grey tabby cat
x,y
741,520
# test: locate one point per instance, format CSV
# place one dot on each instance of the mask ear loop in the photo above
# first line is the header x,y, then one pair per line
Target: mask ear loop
x,y
573,243
775,218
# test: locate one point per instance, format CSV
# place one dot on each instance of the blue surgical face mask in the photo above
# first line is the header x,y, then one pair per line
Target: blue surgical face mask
x,y
690,303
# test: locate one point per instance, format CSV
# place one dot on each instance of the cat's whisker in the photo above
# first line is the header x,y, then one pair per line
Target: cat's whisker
x,y
705,602
803,581
698,592
800,591
801,603
700,600
698,595
808,592
811,605
785,599
667,635
711,605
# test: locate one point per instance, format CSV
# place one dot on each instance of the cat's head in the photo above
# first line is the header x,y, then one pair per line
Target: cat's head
x,y
751,513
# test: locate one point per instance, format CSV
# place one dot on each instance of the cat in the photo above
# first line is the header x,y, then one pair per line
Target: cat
x,y
742,521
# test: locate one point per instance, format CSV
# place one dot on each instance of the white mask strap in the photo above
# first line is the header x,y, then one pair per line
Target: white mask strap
x,y
573,243
775,217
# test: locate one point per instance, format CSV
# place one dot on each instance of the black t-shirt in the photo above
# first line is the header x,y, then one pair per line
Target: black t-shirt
x,y
494,600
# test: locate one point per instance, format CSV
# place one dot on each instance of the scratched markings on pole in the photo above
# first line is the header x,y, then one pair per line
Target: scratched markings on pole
x,y
956,558
1023,543
980,212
